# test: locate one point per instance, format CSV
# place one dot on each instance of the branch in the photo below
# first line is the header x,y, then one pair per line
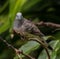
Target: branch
x,y
49,24
38,39
18,52
46,49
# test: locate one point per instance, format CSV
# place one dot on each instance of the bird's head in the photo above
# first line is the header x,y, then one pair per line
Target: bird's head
x,y
19,16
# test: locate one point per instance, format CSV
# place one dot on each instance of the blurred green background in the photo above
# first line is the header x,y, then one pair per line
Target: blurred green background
x,y
34,10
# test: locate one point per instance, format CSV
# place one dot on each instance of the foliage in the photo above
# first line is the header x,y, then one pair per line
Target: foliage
x,y
36,10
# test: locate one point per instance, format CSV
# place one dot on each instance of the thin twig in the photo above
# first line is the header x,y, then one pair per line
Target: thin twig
x,y
49,24
18,52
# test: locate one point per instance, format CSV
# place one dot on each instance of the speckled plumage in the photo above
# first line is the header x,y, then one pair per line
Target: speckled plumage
x,y
23,25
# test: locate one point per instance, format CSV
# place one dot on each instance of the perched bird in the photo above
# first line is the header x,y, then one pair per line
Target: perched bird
x,y
22,25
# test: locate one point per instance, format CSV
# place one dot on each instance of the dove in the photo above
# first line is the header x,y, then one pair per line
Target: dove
x,y
21,25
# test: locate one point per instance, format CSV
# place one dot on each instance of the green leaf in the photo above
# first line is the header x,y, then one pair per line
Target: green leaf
x,y
27,6
6,24
57,35
56,46
15,6
53,53
29,47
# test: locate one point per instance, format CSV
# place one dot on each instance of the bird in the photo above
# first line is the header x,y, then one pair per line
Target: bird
x,y
22,25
